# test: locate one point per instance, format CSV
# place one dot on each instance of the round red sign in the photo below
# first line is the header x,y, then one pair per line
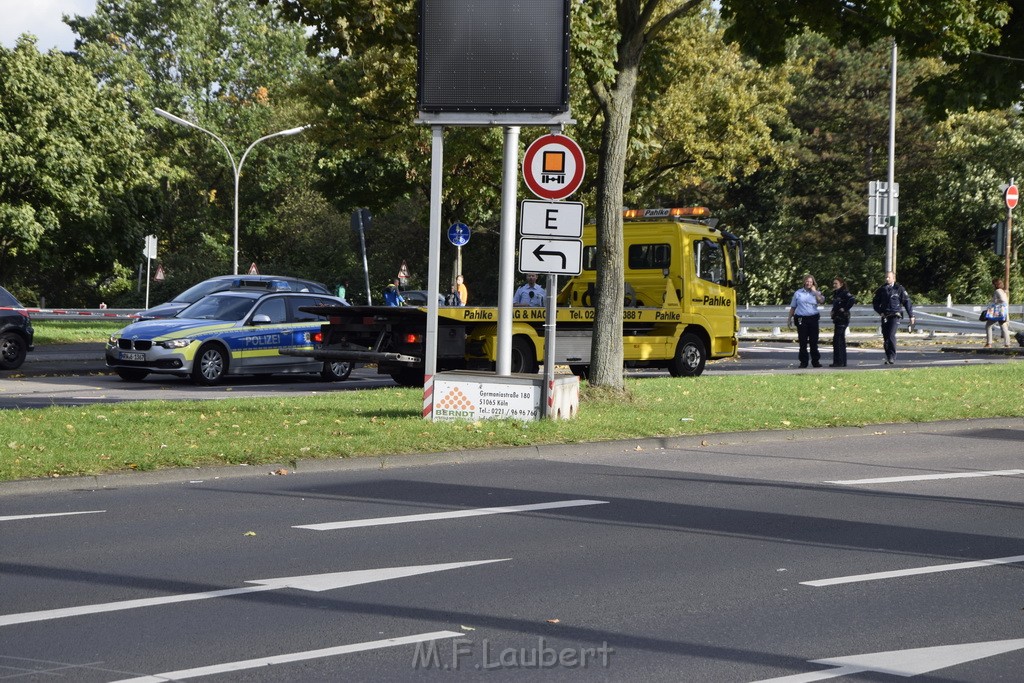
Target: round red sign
x,y
553,167
1011,196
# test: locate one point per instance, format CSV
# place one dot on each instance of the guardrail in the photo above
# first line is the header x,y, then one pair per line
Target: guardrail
x,y
82,313
953,318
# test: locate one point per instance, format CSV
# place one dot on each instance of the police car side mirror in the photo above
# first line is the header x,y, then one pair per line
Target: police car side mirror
x,y
261,319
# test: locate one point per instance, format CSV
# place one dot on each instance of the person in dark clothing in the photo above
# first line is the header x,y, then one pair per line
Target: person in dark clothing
x,y
804,308
842,302
887,302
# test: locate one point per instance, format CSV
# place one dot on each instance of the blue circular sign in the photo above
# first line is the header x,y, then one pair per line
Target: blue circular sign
x,y
458,234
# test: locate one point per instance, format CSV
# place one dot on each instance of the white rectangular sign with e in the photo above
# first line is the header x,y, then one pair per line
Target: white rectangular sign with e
x,y
551,219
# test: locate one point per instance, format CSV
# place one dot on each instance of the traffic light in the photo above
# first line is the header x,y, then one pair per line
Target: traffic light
x,y
999,238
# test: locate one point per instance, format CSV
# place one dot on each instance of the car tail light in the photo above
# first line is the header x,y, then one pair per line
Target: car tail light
x,y
412,338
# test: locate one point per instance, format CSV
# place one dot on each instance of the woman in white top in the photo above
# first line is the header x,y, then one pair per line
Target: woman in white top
x,y
999,305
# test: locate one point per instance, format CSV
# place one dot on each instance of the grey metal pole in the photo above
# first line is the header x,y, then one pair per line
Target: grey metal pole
x,y
238,175
550,323
506,259
366,267
433,267
890,238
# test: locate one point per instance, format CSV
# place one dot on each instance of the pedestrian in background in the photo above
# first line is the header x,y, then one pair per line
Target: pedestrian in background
x,y
888,301
804,308
460,286
842,303
393,294
997,314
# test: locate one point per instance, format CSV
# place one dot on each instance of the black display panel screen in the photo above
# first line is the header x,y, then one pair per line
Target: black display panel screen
x,y
494,56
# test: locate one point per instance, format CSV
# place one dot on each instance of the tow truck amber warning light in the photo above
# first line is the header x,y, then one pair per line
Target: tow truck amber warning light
x,y
683,212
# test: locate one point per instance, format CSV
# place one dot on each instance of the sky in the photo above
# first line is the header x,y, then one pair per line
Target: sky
x,y
43,19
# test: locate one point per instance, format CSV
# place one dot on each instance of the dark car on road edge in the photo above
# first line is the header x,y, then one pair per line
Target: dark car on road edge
x,y
15,332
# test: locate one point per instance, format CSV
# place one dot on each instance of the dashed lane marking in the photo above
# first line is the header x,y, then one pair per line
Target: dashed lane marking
x,y
454,514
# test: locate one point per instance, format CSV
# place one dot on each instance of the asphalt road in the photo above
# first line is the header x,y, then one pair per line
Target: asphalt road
x,y
794,556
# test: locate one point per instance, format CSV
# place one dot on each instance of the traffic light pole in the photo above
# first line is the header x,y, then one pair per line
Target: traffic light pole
x,y
892,219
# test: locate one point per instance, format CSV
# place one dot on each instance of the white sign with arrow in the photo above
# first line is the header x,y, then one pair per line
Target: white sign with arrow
x,y
904,663
560,257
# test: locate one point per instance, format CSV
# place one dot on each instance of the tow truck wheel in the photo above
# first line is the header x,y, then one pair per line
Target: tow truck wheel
x,y
581,371
524,359
132,374
408,377
337,371
210,365
690,357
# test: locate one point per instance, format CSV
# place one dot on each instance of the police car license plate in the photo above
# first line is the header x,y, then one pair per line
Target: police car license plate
x,y
131,356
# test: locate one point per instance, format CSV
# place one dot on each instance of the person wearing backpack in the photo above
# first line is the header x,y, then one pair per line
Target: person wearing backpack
x,y
888,301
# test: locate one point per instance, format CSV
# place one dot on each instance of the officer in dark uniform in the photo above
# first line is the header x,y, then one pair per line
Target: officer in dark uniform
x,y
888,300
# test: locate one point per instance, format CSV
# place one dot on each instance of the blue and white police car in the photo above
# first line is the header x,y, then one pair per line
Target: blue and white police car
x,y
235,332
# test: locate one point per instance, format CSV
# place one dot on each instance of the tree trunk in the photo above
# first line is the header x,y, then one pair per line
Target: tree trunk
x,y
606,356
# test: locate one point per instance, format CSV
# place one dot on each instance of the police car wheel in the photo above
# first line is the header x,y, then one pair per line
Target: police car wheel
x,y
336,371
210,365
132,374
690,357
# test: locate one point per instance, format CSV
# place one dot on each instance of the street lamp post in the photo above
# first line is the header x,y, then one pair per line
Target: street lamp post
x,y
237,168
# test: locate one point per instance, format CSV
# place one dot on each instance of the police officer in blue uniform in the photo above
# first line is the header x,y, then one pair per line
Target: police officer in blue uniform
x,y
804,308
887,302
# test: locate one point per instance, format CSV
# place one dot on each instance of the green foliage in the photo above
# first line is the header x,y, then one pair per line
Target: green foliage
x,y
74,174
230,67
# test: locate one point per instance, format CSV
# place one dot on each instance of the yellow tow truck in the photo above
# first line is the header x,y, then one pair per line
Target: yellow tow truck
x,y
681,273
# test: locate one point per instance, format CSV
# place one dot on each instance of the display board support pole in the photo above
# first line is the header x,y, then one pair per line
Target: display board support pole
x,y
507,255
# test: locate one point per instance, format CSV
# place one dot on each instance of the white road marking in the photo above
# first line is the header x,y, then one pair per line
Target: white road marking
x,y
11,518
288,658
454,514
928,477
934,569
905,663
312,582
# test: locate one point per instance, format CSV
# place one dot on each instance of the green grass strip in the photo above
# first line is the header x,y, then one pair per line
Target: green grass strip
x,y
159,434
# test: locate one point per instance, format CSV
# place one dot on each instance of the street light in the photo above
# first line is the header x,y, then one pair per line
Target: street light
x,y
237,168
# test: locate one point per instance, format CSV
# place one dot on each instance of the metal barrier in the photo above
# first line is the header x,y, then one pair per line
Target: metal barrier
x,y
953,318
83,313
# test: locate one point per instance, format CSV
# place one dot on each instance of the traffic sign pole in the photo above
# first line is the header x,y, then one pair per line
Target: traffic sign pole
x,y
1011,195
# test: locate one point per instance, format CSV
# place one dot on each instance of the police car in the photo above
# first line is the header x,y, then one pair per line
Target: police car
x,y
235,332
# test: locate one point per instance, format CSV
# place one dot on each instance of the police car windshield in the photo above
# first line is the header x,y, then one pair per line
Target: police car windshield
x,y
221,307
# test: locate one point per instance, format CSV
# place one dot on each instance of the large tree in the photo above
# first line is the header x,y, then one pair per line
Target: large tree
x,y
229,66
762,29
74,182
